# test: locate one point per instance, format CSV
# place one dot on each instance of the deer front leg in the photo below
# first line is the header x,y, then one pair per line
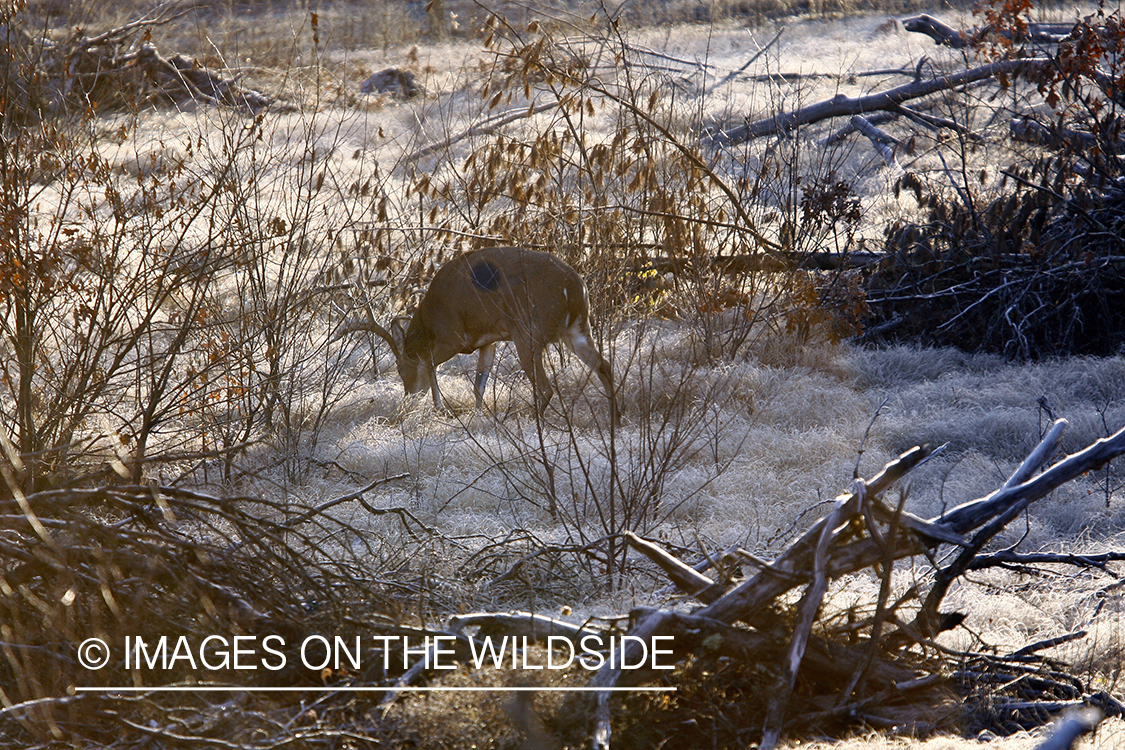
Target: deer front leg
x,y
442,352
438,405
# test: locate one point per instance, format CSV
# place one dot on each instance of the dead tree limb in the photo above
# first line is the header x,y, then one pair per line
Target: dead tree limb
x,y
975,513
933,122
947,36
161,15
790,568
928,121
1046,643
663,56
489,126
686,578
319,509
883,143
942,34
927,617
806,616
1010,558
842,134
843,105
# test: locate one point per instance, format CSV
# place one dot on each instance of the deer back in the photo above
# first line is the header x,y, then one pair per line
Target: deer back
x,y
495,294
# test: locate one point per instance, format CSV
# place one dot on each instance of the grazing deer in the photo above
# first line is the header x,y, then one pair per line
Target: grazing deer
x,y
528,297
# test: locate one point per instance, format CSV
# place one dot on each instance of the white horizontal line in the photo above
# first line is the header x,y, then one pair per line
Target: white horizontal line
x,y
366,689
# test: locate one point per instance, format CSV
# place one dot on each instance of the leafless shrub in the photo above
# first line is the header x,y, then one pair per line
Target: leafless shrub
x,y
158,306
172,567
601,483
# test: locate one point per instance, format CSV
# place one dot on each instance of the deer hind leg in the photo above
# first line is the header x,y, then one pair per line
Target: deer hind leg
x,y
531,359
485,357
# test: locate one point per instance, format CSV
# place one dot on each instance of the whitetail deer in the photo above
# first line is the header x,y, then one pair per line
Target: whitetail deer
x,y
528,297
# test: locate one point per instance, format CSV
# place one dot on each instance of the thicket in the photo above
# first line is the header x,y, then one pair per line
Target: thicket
x,y
1031,267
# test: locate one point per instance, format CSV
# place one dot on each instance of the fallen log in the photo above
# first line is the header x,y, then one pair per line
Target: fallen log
x,y
843,105
1027,130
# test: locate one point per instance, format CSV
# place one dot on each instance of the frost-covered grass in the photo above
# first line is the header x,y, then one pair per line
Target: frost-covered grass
x,y
717,452
784,430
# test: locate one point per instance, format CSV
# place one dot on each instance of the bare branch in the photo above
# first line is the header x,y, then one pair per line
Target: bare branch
x,y
687,579
842,105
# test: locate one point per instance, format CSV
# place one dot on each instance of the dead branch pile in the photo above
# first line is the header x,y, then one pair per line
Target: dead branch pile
x,y
753,661
801,668
1037,65
1038,272
111,70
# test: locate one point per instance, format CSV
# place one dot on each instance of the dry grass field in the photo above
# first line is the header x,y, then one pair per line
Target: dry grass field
x,y
204,255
